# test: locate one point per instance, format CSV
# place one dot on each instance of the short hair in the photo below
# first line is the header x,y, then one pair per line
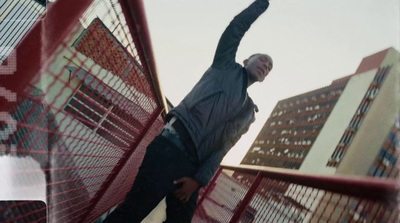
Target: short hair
x,y
258,54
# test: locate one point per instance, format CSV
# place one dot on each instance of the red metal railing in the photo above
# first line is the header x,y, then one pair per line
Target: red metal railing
x,y
248,194
87,104
83,104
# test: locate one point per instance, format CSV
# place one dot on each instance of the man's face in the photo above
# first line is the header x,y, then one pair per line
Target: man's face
x,y
258,67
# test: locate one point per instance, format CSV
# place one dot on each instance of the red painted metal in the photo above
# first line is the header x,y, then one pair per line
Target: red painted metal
x,y
86,179
41,42
365,187
207,190
136,19
278,195
247,199
86,173
120,165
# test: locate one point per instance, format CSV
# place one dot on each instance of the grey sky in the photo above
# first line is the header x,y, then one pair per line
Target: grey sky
x,y
312,43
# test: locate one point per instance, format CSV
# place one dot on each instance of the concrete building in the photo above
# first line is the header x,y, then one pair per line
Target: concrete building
x,y
293,127
324,131
355,133
364,115
376,117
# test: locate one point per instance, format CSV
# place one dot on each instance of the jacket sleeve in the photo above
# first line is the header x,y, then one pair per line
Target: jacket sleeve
x,y
229,42
232,133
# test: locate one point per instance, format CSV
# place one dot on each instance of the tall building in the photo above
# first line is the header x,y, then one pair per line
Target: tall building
x,y
372,144
341,128
293,126
385,164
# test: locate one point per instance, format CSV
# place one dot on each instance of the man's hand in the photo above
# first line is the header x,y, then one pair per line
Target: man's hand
x,y
189,186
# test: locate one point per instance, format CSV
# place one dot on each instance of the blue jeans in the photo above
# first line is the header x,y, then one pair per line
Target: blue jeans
x,y
162,164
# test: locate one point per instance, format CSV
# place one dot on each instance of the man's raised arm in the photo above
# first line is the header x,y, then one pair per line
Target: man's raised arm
x,y
229,42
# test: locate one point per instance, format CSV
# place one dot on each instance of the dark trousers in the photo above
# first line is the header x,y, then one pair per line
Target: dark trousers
x,y
162,164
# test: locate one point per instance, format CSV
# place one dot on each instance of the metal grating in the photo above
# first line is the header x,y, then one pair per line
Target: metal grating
x,y
78,129
242,194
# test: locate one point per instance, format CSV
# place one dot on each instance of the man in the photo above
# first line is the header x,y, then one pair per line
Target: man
x,y
199,131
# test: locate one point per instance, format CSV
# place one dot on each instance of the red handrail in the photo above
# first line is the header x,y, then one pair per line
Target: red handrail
x,y
264,194
47,38
136,19
359,186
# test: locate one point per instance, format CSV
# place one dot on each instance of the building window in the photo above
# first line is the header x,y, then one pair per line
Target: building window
x,y
386,164
364,108
256,149
372,93
103,117
355,123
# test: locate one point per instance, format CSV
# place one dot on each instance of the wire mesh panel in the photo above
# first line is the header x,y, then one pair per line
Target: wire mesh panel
x,y
297,198
77,133
16,18
224,197
23,211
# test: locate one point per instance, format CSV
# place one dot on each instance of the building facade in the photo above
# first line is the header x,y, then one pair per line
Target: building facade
x,y
348,127
293,127
351,127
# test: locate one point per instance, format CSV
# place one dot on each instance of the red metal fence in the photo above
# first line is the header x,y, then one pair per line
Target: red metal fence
x,y
79,103
78,110
248,194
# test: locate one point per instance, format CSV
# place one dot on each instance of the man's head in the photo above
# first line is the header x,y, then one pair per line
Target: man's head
x,y
258,67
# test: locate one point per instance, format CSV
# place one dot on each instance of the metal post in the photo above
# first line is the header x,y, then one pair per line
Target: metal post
x,y
210,185
120,165
135,16
247,199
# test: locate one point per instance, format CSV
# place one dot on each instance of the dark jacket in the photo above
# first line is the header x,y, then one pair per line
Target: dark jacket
x,y
217,111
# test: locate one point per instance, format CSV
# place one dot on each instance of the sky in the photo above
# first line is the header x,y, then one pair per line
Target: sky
x,y
312,43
